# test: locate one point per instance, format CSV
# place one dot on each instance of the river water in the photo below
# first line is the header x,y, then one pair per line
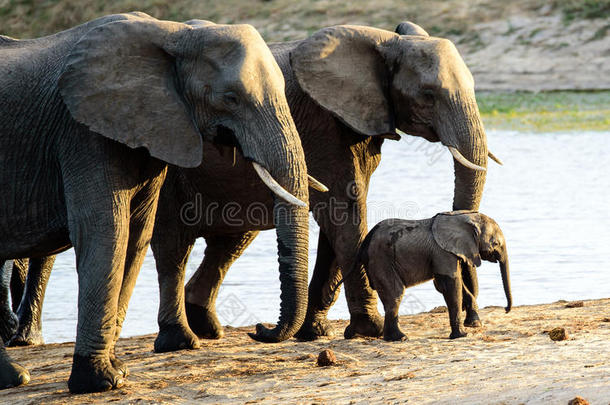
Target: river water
x,y
551,198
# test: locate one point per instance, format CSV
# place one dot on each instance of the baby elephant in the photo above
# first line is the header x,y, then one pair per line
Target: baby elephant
x,y
402,253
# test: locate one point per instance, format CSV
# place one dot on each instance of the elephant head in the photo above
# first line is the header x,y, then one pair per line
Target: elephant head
x,y
472,236
164,86
375,81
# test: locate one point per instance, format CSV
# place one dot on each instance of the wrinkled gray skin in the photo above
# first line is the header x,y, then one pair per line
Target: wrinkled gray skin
x,y
402,253
344,106
91,117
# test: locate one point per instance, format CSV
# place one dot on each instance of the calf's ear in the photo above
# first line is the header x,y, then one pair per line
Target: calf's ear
x,y
458,234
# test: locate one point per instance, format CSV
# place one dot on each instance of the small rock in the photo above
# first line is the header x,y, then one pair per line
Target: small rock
x,y
578,401
327,358
558,334
406,376
575,304
605,319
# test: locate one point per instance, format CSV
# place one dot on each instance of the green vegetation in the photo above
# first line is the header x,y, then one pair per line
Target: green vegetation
x,y
546,111
579,9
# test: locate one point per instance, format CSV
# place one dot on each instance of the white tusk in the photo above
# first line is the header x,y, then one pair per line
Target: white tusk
x,y
316,185
458,156
494,158
275,186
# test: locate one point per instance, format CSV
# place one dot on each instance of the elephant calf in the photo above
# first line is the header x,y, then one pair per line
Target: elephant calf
x,y
402,253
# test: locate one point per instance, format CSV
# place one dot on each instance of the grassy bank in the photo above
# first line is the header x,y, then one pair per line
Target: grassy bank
x,y
547,111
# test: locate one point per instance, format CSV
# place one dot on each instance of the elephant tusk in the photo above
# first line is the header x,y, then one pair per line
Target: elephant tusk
x,y
494,158
316,185
460,158
275,186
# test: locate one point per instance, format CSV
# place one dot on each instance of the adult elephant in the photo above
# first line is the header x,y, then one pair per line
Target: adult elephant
x,y
90,118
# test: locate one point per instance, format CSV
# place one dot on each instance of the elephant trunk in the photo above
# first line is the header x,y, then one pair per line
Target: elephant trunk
x,y
504,270
465,132
285,162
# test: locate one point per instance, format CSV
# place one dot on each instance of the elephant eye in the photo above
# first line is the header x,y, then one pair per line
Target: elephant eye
x,y
231,99
428,97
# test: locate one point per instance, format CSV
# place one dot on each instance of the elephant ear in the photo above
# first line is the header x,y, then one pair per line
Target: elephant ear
x,y
343,69
119,81
409,28
457,233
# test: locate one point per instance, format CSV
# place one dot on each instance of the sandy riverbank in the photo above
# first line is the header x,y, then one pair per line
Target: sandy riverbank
x,y
510,360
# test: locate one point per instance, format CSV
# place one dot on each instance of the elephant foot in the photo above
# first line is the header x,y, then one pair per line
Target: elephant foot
x,y
267,335
175,337
118,364
8,326
458,334
473,321
203,323
312,330
364,325
394,335
27,336
93,374
11,373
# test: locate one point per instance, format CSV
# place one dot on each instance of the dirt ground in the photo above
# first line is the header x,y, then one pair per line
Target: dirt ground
x,y
510,360
537,53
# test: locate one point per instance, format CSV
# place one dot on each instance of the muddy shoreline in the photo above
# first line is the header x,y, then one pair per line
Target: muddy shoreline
x,y
511,359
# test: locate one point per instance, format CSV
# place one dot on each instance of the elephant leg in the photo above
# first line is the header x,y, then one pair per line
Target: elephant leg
x,y
391,329
18,276
100,246
202,289
470,292
8,319
174,332
142,220
361,300
30,308
451,288
11,373
323,292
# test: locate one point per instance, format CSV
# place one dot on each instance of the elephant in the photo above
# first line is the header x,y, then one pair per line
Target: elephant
x,y
28,282
92,118
344,105
398,253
